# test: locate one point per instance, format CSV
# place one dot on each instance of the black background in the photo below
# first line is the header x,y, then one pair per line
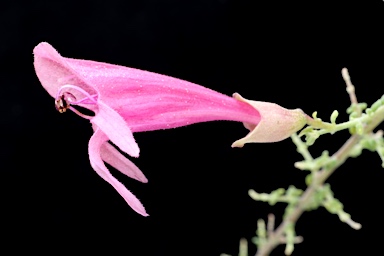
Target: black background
x,y
286,52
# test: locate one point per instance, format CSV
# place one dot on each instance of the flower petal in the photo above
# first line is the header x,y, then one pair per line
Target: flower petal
x,y
114,126
113,157
146,101
95,144
276,124
53,71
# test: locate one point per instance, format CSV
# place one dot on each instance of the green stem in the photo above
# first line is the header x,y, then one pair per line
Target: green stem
x,y
332,128
319,178
302,148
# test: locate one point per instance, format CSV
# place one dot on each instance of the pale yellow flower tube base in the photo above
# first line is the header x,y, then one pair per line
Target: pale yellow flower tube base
x,y
276,124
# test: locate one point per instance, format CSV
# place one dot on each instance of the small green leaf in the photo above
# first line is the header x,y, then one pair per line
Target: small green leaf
x,y
359,128
309,179
352,130
376,105
334,115
305,131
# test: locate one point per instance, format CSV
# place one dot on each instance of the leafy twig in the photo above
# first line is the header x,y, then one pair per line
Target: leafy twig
x,y
318,194
371,120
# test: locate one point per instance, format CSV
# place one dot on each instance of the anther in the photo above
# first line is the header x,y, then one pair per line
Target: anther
x,y
63,102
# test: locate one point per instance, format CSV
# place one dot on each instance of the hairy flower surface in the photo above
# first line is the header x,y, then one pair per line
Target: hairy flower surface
x,y
126,100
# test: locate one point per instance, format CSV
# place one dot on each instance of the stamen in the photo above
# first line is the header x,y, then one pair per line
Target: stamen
x,y
88,96
84,101
64,100
80,114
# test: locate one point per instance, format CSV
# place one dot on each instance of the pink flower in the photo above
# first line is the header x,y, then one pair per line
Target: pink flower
x,y
126,100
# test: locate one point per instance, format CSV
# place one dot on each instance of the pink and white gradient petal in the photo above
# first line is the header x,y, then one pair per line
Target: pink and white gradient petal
x,y
116,129
112,156
94,148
